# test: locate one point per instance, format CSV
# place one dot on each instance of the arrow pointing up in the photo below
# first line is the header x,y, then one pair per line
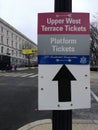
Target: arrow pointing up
x,y
64,77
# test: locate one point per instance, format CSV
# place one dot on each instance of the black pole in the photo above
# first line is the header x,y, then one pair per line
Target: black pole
x,y
62,119
63,6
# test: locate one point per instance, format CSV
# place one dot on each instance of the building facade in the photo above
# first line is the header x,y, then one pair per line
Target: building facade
x,y
12,42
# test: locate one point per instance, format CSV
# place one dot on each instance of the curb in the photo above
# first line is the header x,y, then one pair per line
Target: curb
x,y
47,124
36,124
21,68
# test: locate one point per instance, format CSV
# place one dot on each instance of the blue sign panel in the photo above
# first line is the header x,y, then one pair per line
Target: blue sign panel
x,y
62,59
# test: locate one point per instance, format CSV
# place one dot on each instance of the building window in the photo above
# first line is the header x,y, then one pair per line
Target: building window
x,y
12,35
2,39
16,45
20,53
12,44
20,47
16,53
2,29
7,41
2,48
7,51
7,32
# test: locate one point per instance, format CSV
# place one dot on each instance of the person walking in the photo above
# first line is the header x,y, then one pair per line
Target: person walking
x,y
15,67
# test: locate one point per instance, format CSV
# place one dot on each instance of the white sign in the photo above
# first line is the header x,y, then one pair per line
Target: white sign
x,y
49,89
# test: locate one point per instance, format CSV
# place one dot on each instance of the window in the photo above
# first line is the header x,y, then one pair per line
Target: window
x,y
16,53
20,53
2,48
12,44
16,44
7,51
20,47
12,35
2,29
7,32
2,39
7,41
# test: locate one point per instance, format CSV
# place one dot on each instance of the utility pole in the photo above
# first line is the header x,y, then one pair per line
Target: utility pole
x,y
62,119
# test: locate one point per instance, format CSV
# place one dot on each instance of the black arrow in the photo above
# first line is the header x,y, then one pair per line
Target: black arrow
x,y
64,77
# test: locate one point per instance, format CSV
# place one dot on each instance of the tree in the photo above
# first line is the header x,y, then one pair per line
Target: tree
x,y
94,44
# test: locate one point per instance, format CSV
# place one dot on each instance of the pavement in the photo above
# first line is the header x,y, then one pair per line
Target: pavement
x,y
25,68
78,124
47,125
20,68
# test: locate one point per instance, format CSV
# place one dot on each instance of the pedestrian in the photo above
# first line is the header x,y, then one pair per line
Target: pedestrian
x,y
15,67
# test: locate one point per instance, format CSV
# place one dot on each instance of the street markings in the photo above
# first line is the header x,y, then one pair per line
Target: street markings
x,y
93,94
34,76
26,75
18,74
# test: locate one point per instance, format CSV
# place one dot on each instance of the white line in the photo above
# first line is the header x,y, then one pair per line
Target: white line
x,y
34,76
93,94
27,75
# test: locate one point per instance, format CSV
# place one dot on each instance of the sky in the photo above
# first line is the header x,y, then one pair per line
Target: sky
x,y
22,14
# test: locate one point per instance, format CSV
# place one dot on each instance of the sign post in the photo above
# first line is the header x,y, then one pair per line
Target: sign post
x,y
63,6
62,120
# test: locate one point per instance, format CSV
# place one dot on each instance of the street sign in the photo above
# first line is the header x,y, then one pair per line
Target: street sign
x,y
29,51
34,51
67,91
63,38
63,58
26,51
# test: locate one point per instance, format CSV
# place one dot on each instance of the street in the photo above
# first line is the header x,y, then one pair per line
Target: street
x,y
19,100
18,105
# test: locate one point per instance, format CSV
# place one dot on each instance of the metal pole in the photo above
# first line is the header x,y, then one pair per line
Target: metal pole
x,y
63,6
62,119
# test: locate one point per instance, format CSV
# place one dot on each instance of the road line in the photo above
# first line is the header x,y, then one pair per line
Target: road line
x,y
93,94
34,76
27,75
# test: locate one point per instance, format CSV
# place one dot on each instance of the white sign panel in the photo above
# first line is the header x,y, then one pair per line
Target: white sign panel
x,y
49,91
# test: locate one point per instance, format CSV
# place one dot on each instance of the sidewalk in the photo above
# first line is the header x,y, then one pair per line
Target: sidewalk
x,y
20,68
94,76
25,68
47,125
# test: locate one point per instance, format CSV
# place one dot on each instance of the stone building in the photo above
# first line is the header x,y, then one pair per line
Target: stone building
x,y
12,42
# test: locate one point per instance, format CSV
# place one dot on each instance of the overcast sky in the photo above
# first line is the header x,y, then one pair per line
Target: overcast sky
x,y
22,14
